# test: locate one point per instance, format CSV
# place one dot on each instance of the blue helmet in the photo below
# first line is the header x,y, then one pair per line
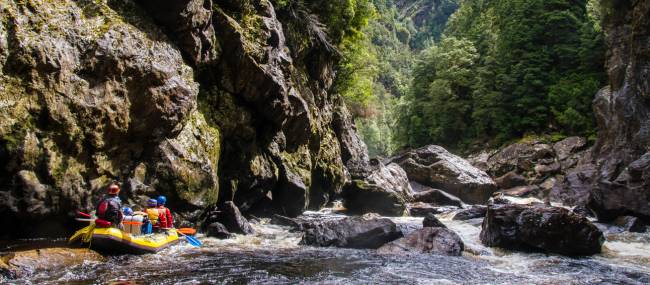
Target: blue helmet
x,y
152,203
127,211
161,200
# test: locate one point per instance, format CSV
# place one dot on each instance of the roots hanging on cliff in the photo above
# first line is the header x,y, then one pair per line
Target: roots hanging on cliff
x,y
307,23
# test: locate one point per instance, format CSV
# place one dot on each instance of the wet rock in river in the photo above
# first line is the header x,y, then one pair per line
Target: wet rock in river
x,y
437,197
217,230
419,209
228,214
386,191
473,212
16,264
550,229
631,224
430,221
351,232
435,167
294,224
434,240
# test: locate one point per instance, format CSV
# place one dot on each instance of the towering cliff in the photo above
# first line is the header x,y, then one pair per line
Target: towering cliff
x,y
622,109
203,102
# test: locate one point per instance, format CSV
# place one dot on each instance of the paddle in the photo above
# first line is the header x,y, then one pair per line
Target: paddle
x,y
187,231
191,240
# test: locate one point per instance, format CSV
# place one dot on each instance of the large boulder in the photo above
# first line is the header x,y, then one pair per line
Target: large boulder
x,y
435,167
552,229
386,191
441,241
622,108
351,232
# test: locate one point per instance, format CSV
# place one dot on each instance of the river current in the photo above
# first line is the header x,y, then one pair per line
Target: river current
x,y
273,256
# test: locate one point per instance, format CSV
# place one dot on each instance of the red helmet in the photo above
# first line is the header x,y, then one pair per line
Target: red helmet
x,y
113,189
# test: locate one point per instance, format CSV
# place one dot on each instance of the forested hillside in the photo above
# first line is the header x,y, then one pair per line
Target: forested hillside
x,y
492,72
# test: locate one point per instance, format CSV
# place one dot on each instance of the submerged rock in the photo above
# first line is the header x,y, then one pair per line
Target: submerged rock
x,y
435,167
434,240
386,191
17,264
551,229
351,232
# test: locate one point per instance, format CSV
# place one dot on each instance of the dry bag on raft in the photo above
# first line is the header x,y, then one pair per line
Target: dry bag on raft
x,y
133,224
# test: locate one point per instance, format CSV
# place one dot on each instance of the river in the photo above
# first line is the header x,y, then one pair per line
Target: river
x,y
273,256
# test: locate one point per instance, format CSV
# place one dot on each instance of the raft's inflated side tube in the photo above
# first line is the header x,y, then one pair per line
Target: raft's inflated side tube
x,y
115,241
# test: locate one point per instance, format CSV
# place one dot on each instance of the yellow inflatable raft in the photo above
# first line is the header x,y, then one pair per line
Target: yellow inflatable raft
x,y
116,241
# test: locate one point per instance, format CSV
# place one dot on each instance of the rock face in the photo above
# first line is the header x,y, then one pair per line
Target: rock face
x,y
441,241
622,112
435,167
201,102
351,232
552,229
386,191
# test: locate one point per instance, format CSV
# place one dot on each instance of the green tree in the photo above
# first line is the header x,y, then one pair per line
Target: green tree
x,y
440,98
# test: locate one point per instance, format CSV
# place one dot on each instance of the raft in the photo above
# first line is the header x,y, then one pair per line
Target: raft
x,y
116,241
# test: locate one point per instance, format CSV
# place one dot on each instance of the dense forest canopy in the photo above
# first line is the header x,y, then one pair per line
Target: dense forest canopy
x,y
473,73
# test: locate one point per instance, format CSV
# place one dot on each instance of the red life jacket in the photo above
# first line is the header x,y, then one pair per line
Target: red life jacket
x,y
166,215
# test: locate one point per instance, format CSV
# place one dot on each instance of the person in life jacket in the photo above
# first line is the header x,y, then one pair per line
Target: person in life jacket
x,y
109,209
154,214
169,220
